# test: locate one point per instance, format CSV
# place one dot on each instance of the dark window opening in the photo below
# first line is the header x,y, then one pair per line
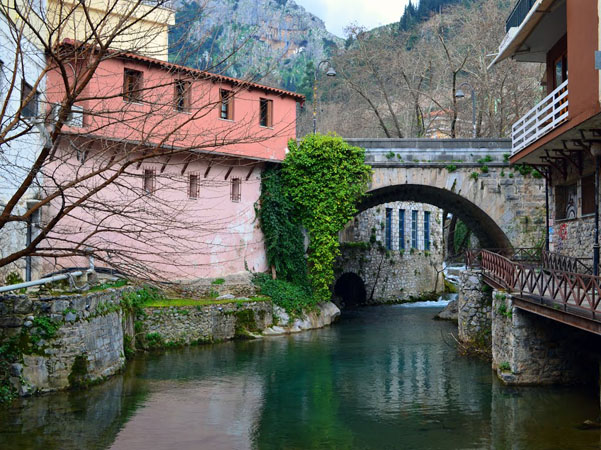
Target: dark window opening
x,y
388,228
426,230
182,95
565,202
149,180
236,191
414,229
193,186
401,229
266,113
132,85
227,104
29,107
588,195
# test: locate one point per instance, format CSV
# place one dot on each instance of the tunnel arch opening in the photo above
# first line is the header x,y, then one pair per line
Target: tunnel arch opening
x,y
350,290
478,221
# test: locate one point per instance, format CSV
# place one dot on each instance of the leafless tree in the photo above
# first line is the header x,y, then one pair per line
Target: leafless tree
x,y
87,182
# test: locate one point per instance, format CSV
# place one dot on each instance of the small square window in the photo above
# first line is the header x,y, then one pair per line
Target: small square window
x,y
132,85
29,108
266,112
193,186
236,190
149,181
226,99
183,94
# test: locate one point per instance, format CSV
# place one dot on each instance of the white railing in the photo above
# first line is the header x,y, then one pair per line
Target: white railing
x,y
551,112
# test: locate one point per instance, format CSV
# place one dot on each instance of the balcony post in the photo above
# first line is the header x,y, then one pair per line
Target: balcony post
x,y
547,239
596,152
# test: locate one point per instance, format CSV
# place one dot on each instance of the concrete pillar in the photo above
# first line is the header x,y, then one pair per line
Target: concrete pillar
x,y
530,349
474,306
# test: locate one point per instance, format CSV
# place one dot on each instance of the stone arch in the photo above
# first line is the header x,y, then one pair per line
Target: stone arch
x,y
488,232
350,289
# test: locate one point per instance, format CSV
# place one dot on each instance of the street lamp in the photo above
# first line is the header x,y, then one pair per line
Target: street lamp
x,y
595,150
330,73
460,94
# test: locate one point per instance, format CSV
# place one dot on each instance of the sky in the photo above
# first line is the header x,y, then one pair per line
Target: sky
x,y
338,14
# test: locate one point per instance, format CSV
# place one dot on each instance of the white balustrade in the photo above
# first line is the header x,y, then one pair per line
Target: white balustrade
x,y
551,112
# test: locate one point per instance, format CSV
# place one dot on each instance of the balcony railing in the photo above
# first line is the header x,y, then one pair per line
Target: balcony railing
x,y
551,112
519,13
574,293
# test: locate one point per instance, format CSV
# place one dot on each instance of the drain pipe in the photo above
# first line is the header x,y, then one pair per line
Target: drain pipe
x,y
27,284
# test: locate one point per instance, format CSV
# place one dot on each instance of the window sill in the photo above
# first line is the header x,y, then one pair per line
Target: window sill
x,y
226,120
266,127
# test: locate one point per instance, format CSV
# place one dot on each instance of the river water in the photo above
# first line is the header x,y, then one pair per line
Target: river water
x,y
384,377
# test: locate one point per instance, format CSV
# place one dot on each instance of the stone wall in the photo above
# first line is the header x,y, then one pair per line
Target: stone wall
x,y
63,340
196,324
390,272
530,349
474,309
572,225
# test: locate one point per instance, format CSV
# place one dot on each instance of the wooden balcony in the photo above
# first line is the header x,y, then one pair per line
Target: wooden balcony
x,y
519,13
550,113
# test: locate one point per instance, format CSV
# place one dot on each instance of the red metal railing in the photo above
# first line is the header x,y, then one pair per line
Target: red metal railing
x,y
557,261
573,292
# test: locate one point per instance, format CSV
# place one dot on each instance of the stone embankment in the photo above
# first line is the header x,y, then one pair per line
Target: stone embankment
x,y
53,343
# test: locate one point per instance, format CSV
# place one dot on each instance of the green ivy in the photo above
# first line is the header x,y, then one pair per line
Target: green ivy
x,y
281,228
325,178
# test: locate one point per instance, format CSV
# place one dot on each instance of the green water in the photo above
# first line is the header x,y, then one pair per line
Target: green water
x,y
382,378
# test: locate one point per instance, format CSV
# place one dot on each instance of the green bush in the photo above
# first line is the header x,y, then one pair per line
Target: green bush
x,y
294,298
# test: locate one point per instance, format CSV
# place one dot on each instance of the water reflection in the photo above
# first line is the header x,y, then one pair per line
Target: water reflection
x,y
383,378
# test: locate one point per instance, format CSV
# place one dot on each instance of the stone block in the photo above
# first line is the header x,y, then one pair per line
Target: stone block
x,y
23,305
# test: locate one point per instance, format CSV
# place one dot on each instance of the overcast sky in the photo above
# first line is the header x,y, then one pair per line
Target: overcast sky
x,y
338,14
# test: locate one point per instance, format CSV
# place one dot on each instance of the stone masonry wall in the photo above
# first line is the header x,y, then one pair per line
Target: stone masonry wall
x,y
530,349
393,273
474,309
54,332
194,324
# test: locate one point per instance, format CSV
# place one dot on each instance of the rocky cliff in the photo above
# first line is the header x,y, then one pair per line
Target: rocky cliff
x,y
276,40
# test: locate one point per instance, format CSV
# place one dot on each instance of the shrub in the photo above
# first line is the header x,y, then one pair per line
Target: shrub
x,y
292,297
451,167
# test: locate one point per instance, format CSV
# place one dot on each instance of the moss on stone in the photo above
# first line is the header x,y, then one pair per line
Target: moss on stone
x,y
245,323
79,372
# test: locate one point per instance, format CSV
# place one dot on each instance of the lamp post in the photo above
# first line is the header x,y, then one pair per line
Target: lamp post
x,y
595,150
330,73
460,94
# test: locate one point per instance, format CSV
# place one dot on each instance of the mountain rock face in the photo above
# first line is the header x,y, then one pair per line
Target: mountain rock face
x,y
274,37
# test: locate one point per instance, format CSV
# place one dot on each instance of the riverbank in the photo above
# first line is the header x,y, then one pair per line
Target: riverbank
x,y
50,343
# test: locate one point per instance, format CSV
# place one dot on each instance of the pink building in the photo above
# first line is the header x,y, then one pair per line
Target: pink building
x,y
180,152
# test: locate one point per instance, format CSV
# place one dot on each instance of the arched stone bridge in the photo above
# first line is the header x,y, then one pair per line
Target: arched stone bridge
x,y
502,207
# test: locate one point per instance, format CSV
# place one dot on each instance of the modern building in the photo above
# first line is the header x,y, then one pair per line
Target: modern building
x,y
561,135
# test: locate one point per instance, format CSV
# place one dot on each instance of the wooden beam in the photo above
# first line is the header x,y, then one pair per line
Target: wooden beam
x,y
165,164
186,165
208,168
252,168
228,173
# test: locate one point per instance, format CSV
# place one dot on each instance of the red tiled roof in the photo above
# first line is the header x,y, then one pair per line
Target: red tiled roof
x,y
199,73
